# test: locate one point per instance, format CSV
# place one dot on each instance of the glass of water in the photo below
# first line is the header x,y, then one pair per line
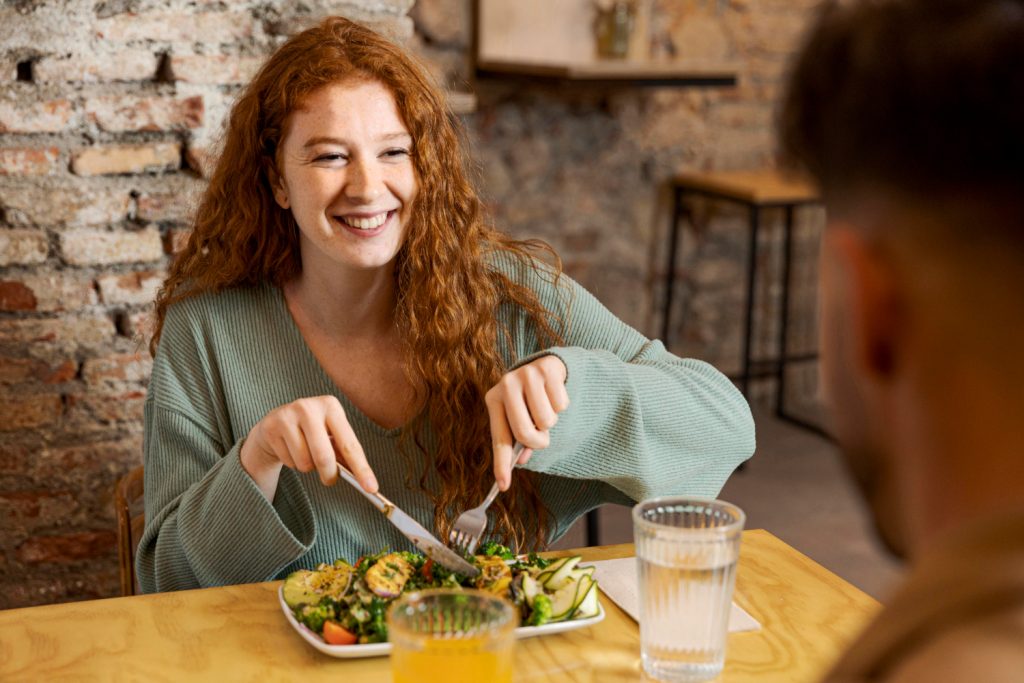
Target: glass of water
x,y
686,551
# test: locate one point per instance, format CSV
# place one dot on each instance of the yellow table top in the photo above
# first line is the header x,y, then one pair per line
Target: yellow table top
x,y
237,633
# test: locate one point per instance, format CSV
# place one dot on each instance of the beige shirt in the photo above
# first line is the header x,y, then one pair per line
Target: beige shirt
x,y
959,616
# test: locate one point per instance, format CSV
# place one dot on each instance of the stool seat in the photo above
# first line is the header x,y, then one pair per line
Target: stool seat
x,y
763,187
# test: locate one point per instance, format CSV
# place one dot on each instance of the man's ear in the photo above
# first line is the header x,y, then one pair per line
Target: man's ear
x,y
875,300
278,188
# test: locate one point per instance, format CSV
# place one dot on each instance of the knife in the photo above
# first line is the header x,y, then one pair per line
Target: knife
x,y
413,530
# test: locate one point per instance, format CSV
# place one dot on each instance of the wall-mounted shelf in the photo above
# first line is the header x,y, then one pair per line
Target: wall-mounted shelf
x,y
544,39
610,71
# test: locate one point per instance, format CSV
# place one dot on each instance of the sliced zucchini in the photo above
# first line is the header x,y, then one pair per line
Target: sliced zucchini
x,y
530,588
298,589
305,587
588,606
562,576
564,602
546,573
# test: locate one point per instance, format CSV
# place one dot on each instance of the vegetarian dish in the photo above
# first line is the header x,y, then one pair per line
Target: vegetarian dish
x,y
346,604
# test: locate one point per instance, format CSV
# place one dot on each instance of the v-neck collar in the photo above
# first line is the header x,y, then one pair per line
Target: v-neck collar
x,y
298,341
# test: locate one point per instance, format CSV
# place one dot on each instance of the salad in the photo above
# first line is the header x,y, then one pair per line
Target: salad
x,y
346,604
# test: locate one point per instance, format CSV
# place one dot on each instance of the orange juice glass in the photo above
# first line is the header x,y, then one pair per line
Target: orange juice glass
x,y
465,636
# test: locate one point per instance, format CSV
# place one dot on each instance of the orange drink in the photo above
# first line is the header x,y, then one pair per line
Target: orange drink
x,y
464,635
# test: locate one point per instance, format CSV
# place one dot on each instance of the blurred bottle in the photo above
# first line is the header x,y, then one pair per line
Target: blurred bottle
x,y
613,27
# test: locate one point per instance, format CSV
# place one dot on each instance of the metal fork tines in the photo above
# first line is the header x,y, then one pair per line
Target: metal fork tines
x,y
469,527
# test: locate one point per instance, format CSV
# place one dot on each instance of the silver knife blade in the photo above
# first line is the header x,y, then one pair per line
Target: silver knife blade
x,y
428,543
413,530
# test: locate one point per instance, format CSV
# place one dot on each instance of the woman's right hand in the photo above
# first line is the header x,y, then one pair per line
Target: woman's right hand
x,y
305,435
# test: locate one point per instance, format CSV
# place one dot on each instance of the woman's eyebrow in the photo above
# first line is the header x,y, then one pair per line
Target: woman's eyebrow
x,y
328,140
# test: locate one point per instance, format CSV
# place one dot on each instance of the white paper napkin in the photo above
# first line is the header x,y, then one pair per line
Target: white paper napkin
x,y
617,580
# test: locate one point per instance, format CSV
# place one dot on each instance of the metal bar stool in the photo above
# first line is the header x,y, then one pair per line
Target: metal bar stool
x,y
756,190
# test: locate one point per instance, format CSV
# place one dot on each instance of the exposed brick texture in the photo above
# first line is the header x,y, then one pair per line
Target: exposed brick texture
x,y
22,247
130,288
27,412
122,114
220,69
109,160
73,206
105,140
28,161
91,67
47,292
100,247
50,116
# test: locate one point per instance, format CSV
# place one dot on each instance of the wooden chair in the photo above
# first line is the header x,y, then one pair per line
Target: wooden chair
x,y
131,520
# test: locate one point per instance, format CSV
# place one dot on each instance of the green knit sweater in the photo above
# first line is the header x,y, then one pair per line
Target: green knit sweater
x,y
641,423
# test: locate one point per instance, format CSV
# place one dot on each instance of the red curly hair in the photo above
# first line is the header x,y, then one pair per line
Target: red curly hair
x,y
448,292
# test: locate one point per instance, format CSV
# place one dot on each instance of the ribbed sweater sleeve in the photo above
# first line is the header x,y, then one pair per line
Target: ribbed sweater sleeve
x,y
640,418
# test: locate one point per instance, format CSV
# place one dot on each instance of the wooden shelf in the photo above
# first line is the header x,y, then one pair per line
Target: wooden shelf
x,y
611,71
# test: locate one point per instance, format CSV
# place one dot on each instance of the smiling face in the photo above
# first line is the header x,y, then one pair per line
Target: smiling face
x,y
346,174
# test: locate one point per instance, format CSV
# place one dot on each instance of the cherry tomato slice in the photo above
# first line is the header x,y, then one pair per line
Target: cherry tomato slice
x,y
336,634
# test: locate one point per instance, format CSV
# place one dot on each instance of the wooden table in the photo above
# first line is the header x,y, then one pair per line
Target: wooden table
x,y
238,633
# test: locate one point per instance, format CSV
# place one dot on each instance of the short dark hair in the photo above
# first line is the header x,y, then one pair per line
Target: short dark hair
x,y
923,99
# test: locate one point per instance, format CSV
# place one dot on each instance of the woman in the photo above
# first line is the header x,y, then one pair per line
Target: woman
x,y
341,299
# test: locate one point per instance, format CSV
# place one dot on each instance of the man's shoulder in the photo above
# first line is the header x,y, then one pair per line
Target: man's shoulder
x,y
990,649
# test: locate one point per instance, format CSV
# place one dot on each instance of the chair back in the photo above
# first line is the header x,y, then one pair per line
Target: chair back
x,y
131,520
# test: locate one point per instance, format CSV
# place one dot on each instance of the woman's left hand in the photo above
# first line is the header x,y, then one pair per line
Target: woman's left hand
x,y
523,406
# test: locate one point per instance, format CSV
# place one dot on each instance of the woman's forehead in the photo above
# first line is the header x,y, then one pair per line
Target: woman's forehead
x,y
353,106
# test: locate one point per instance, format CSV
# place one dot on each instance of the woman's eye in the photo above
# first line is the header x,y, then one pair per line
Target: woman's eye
x,y
396,153
330,157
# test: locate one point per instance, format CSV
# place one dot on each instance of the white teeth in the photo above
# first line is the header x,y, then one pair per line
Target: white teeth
x,y
366,223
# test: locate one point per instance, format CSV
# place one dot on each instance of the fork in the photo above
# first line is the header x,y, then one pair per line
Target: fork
x,y
469,527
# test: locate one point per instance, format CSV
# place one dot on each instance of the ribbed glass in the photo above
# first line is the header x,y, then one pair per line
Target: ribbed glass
x,y
686,552
459,636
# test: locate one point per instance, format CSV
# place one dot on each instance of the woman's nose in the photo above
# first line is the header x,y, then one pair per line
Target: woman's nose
x,y
364,183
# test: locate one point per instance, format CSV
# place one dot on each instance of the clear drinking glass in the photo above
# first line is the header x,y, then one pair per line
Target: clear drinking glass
x,y
686,551
464,636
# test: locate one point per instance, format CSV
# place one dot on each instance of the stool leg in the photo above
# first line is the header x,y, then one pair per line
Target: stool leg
x,y
593,528
787,262
670,275
755,221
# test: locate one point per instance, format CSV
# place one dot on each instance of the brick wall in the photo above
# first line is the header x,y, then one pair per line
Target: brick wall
x,y
109,116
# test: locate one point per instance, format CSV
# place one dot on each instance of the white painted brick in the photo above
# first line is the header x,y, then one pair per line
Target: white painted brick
x,y
120,114
81,205
136,159
123,65
23,247
171,27
102,247
56,291
217,69
50,116
28,161
130,288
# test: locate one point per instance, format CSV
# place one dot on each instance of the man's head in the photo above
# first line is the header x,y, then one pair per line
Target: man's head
x,y
910,115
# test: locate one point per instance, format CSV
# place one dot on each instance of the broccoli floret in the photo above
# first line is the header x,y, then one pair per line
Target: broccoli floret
x,y
541,610
414,559
314,616
538,561
378,624
492,549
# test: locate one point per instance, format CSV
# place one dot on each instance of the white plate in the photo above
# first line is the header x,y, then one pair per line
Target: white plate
x,y
381,649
